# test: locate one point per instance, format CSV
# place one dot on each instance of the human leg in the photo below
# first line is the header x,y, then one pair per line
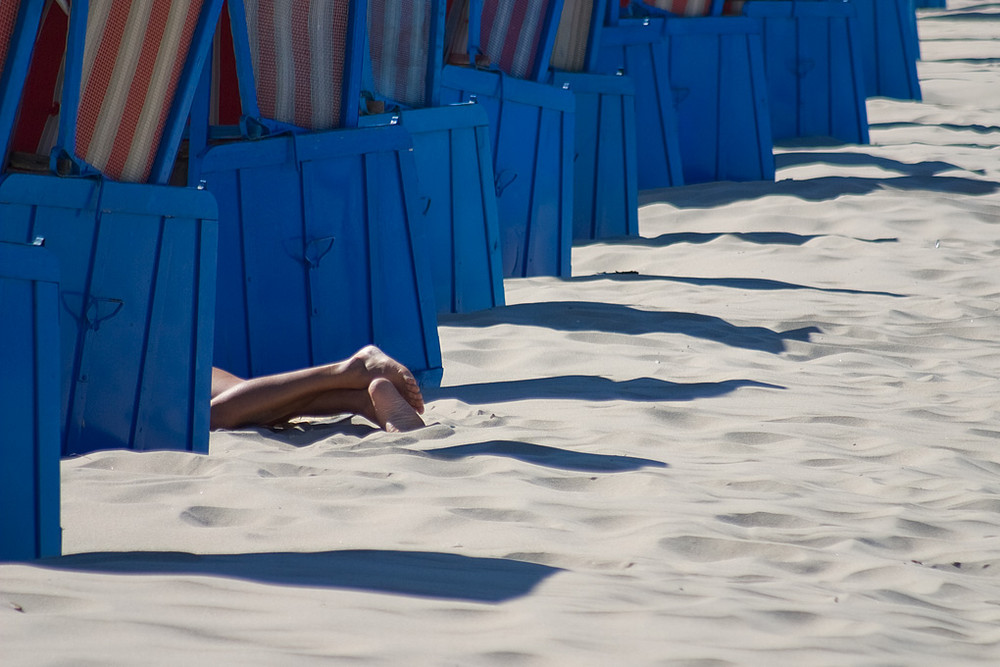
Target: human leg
x,y
378,364
380,403
333,388
223,380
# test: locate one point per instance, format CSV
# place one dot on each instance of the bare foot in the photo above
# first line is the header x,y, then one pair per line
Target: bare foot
x,y
380,365
392,412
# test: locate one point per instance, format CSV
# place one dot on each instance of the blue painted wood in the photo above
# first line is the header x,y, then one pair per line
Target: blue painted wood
x,y
720,89
636,48
15,68
29,403
137,295
319,252
457,202
605,188
929,4
532,126
889,51
815,77
454,168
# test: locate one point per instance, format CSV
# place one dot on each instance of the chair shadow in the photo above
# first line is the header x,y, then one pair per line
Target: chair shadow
x,y
616,318
697,238
974,127
542,455
590,388
969,14
826,188
735,283
414,573
852,159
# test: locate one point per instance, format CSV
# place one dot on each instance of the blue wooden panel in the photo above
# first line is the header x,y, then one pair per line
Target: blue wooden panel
x,y
717,73
636,48
920,4
532,137
457,202
889,52
605,188
318,252
407,323
815,59
457,199
29,403
784,64
460,211
814,72
138,280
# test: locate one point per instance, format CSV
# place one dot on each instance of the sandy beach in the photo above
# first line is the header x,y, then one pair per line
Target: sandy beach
x,y
767,432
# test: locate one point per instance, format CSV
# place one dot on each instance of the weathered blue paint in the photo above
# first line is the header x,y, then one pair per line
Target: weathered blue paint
x,y
29,403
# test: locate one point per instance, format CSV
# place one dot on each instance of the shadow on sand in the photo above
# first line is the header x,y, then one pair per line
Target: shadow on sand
x,y
826,188
590,388
697,238
851,159
423,574
615,318
541,455
735,283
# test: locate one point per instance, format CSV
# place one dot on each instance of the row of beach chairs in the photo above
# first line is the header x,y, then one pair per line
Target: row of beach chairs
x,y
264,185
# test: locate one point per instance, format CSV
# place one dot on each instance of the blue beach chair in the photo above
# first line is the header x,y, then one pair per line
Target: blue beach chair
x,y
29,331
717,79
29,403
136,258
605,188
500,58
451,147
320,244
635,48
890,49
815,76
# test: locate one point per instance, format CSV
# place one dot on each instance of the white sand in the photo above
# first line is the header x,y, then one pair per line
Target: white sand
x,y
774,439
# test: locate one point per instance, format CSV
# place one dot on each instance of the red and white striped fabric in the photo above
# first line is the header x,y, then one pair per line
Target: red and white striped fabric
x,y
133,59
399,42
696,7
511,34
298,52
8,16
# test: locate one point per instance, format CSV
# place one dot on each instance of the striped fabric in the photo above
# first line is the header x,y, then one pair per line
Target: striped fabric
x,y
133,58
298,53
8,15
399,39
695,7
570,51
511,33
